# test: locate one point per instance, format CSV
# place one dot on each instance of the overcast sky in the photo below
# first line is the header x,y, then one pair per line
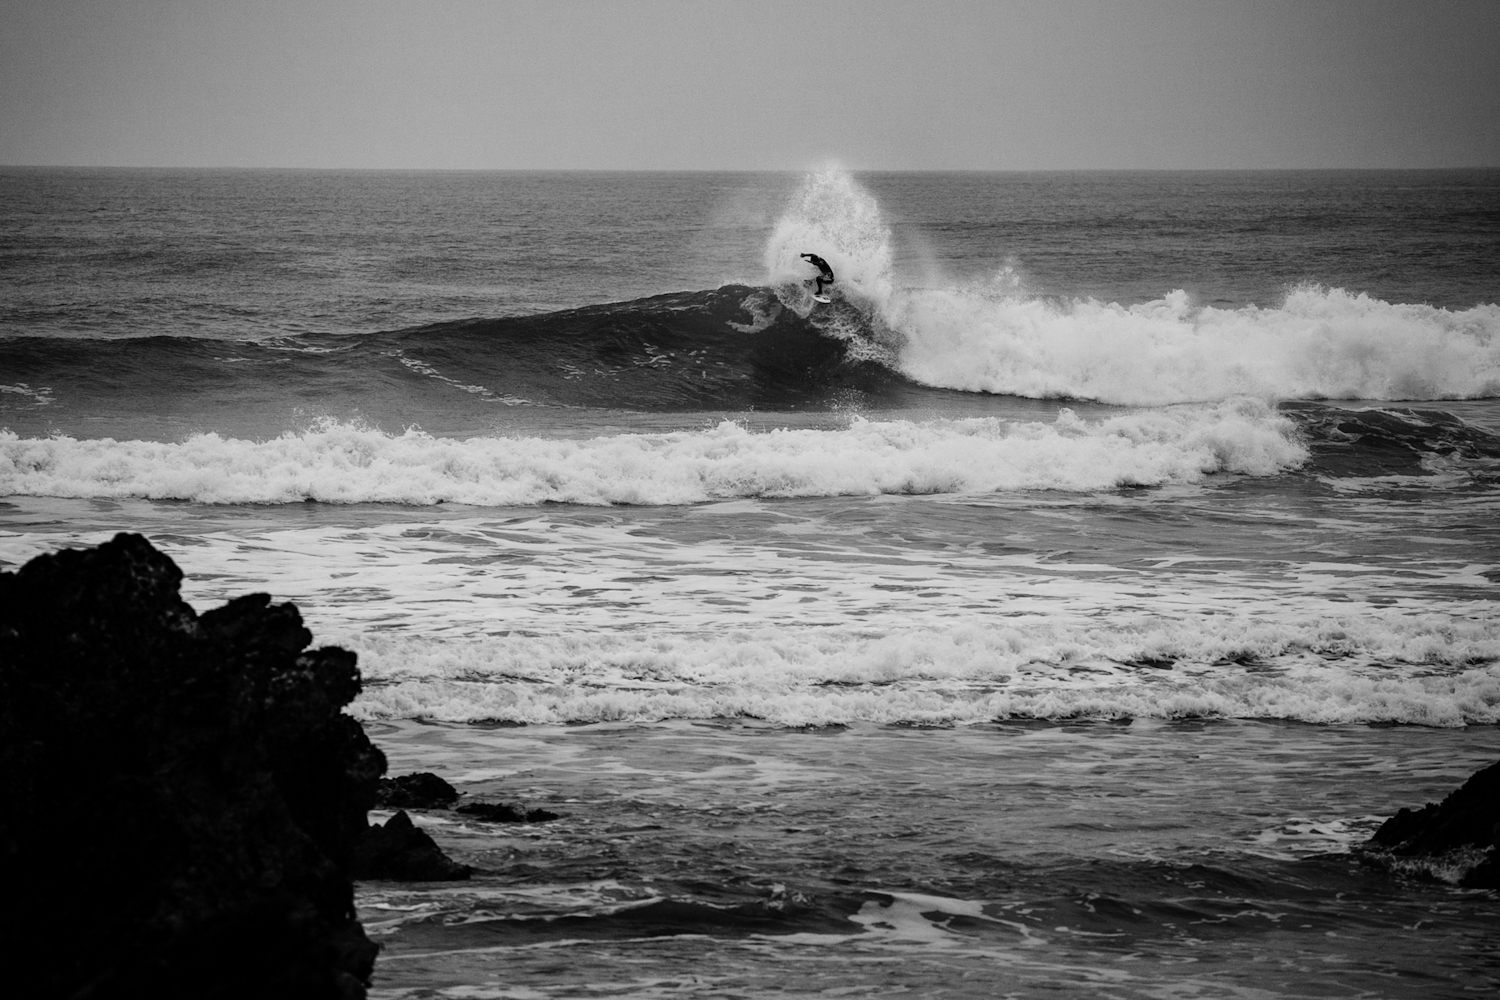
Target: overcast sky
x,y
657,84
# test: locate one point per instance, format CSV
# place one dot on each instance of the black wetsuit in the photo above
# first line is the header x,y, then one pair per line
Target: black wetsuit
x,y
825,277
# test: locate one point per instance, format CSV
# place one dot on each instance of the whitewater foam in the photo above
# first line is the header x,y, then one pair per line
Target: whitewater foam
x,y
1319,344
349,463
1392,668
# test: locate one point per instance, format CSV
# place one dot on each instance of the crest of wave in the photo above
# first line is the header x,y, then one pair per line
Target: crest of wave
x,y
832,216
1320,343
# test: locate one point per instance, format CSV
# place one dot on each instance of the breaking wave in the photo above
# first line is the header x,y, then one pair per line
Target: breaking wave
x,y
993,336
882,342
348,463
1423,670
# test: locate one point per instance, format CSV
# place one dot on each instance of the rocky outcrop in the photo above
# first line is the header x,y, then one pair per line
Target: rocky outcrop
x,y
500,812
180,795
398,850
423,790
1457,839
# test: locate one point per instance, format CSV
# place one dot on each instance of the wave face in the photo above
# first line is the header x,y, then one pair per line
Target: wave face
x,y
735,347
1397,441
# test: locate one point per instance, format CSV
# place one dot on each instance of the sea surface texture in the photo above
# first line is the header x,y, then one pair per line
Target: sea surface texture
x,y
1045,616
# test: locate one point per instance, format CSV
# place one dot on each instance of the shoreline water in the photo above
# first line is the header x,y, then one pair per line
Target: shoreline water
x,y
1028,857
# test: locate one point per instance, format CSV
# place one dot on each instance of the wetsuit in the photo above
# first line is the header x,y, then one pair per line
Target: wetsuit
x,y
825,277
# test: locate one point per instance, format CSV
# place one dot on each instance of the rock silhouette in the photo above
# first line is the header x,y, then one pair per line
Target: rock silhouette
x,y
398,850
180,794
1463,832
422,790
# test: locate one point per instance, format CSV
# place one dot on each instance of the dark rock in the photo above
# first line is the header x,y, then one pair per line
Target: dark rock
x,y
499,812
423,790
1461,834
179,795
398,850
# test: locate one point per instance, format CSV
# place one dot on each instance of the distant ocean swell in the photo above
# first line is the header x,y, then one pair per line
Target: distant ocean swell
x,y
1380,667
346,463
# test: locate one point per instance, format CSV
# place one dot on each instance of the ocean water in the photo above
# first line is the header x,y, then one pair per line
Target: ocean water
x,y
1049,614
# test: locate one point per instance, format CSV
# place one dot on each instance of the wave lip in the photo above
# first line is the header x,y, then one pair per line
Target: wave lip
x,y
348,463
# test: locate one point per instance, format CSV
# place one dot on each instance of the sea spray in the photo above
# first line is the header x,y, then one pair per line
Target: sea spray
x,y
833,216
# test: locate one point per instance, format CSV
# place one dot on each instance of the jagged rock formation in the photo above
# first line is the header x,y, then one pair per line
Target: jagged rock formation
x,y
500,812
425,790
180,795
422,790
398,850
1459,836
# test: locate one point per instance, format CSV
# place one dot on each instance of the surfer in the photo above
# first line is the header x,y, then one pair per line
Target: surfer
x,y
825,273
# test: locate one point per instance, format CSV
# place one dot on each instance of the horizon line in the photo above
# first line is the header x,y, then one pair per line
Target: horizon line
x,y
739,170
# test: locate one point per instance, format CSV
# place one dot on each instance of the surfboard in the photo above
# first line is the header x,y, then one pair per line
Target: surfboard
x,y
821,298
